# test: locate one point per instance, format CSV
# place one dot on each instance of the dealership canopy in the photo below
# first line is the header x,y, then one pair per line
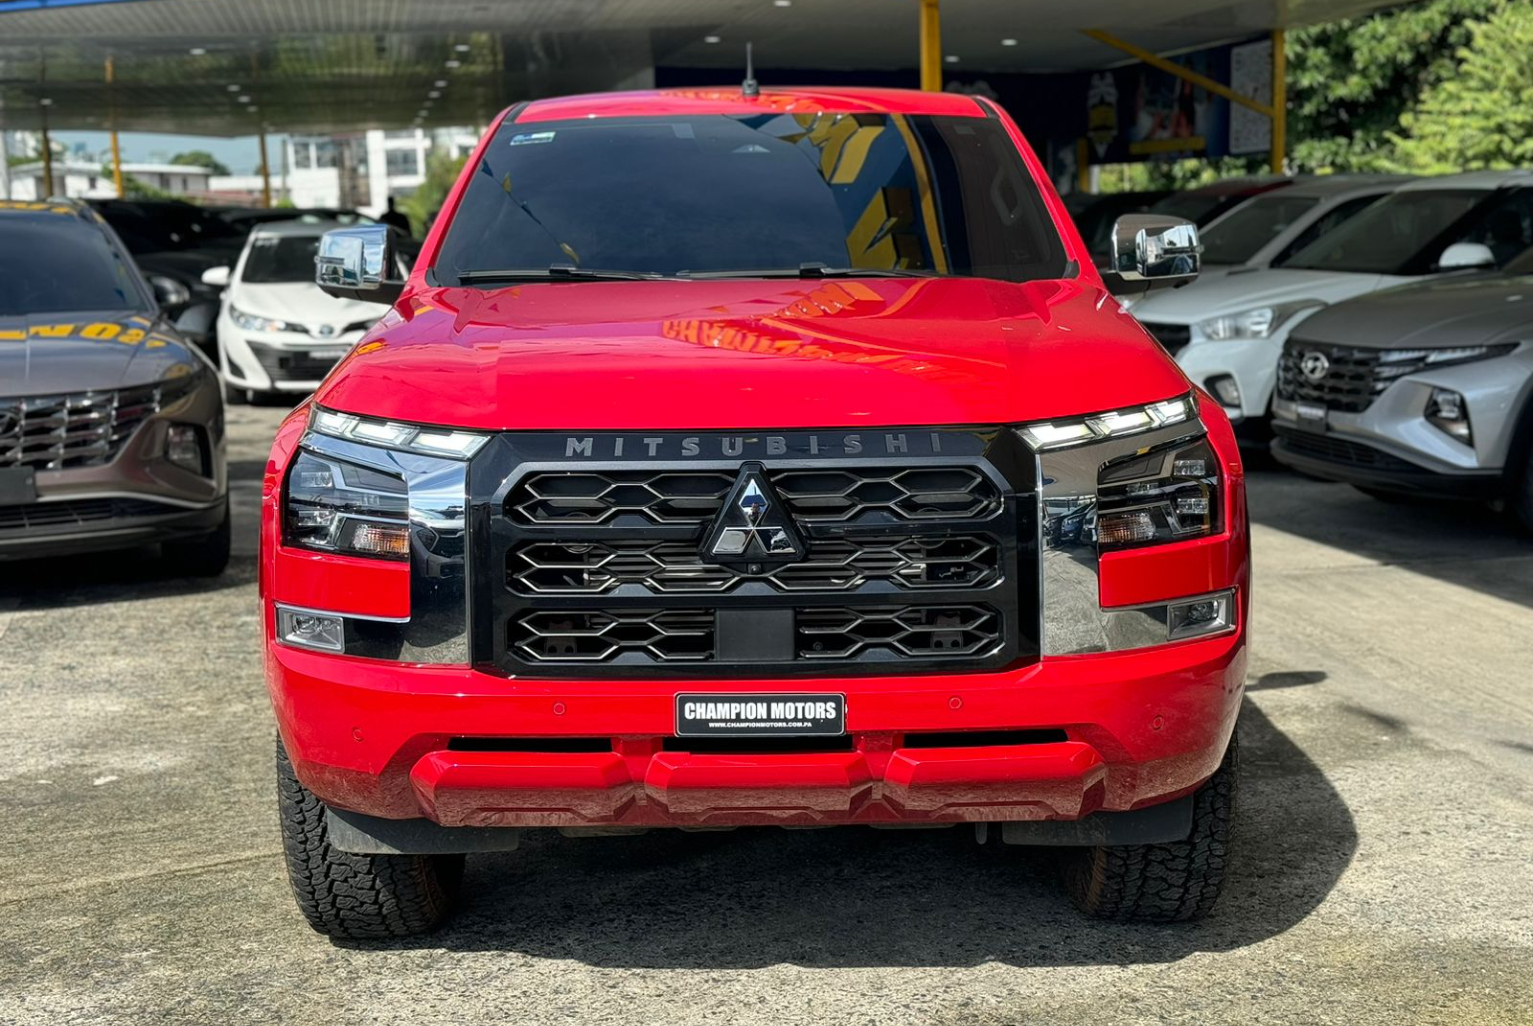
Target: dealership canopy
x,y
230,67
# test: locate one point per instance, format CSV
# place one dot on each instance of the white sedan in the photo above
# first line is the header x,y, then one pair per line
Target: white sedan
x,y
277,332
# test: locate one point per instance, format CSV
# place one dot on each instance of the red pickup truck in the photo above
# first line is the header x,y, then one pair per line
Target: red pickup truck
x,y
738,459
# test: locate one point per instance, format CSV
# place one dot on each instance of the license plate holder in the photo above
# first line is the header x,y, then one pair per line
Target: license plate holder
x,y
773,714
1312,417
18,486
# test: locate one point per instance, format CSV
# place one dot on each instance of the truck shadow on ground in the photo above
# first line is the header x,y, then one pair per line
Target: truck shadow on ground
x,y
1462,543
860,897
87,580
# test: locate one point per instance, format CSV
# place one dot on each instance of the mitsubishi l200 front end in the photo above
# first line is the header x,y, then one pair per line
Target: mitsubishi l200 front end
x,y
753,460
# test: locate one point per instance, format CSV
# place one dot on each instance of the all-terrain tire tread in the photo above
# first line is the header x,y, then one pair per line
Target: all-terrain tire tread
x,y
1162,883
362,897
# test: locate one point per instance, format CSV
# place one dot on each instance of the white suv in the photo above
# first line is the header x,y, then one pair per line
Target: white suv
x,y
1227,333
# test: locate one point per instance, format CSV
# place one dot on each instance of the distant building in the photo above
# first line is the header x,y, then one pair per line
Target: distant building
x,y
365,168
90,179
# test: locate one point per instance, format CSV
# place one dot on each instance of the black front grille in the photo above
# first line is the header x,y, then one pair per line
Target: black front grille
x,y
813,495
1342,451
81,429
833,564
1172,337
293,364
45,516
925,564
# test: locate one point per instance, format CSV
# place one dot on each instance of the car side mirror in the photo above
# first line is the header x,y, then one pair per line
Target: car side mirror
x,y
196,322
218,277
1463,255
1155,249
354,263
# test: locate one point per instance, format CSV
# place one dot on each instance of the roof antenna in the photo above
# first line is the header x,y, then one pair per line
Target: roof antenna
x,y
750,87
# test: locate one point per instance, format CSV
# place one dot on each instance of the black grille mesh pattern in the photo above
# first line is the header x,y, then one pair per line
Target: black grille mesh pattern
x,y
695,497
41,516
1341,450
677,568
914,631
81,429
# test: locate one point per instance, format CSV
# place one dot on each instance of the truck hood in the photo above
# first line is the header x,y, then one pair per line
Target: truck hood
x,y
750,353
303,302
1456,311
1238,290
48,354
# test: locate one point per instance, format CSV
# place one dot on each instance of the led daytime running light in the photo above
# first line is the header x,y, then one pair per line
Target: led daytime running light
x,y
1114,424
394,435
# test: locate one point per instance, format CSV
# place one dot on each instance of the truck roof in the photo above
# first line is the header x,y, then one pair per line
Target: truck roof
x,y
730,100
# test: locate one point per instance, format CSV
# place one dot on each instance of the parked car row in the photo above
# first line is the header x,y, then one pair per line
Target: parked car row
x,y
1376,324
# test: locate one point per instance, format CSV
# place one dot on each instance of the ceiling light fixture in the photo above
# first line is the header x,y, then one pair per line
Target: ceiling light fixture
x,y
462,48
198,51
434,94
1008,42
713,39
441,83
951,58
45,102
455,64
232,88
782,3
243,99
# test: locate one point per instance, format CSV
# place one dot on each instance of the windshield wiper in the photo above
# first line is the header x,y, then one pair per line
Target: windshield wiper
x,y
812,269
557,272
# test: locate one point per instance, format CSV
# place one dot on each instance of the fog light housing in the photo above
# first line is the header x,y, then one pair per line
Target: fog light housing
x,y
306,628
1448,413
1224,389
1207,614
183,447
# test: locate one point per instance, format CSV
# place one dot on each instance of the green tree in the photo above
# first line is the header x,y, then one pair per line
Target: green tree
x,y
421,206
1481,116
1352,81
201,158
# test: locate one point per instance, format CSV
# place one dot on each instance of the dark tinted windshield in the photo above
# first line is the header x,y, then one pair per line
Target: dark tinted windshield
x,y
1405,233
280,258
944,195
1237,237
58,263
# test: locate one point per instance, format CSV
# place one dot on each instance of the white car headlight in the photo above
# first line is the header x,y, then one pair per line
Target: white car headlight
x,y
250,322
1258,322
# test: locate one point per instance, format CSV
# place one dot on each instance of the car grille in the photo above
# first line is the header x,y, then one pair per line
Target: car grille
x,y
1172,337
42,516
925,567
1341,451
293,364
82,429
1354,378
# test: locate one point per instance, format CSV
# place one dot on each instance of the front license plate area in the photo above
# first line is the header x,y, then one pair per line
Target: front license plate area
x,y
767,715
1311,417
18,486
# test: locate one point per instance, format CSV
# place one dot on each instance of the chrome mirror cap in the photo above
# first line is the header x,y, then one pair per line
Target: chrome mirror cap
x,y
355,263
1155,248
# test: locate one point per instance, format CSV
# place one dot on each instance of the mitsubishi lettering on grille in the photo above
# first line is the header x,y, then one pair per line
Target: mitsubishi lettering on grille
x,y
754,524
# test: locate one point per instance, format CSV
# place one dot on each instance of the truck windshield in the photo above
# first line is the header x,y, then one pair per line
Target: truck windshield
x,y
775,192
1238,235
54,262
277,259
1406,232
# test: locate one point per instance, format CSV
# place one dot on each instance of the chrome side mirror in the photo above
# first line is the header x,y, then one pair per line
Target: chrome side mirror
x,y
354,263
1154,248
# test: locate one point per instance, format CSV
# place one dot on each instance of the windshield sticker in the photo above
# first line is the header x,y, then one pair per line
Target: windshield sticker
x,y
532,138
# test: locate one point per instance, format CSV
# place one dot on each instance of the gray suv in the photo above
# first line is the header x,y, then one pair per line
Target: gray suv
x,y
111,422
1420,389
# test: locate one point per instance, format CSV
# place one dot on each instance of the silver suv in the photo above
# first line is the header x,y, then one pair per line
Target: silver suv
x,y
1424,389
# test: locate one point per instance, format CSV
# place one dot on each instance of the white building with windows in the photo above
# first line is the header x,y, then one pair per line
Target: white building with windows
x,y
363,170
91,179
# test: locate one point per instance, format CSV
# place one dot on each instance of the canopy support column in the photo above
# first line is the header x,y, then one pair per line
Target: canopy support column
x,y
1279,100
265,174
112,111
931,46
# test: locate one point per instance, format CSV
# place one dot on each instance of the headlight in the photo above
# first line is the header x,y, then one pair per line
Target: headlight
x,y
1259,322
250,322
1061,434
344,508
1165,495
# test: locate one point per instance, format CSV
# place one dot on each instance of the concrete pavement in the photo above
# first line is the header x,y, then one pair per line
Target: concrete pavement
x,y
1384,871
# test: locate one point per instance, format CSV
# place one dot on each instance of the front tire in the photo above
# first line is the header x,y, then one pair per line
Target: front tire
x,y
1522,494
1162,883
358,897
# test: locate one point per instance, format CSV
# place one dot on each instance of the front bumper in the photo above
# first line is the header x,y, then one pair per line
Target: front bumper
x,y
278,361
461,748
1251,362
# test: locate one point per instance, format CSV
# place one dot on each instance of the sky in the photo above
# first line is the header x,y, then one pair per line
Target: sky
x,y
242,154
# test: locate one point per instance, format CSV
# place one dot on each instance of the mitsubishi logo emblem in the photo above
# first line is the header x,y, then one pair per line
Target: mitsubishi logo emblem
x,y
754,524
1314,365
